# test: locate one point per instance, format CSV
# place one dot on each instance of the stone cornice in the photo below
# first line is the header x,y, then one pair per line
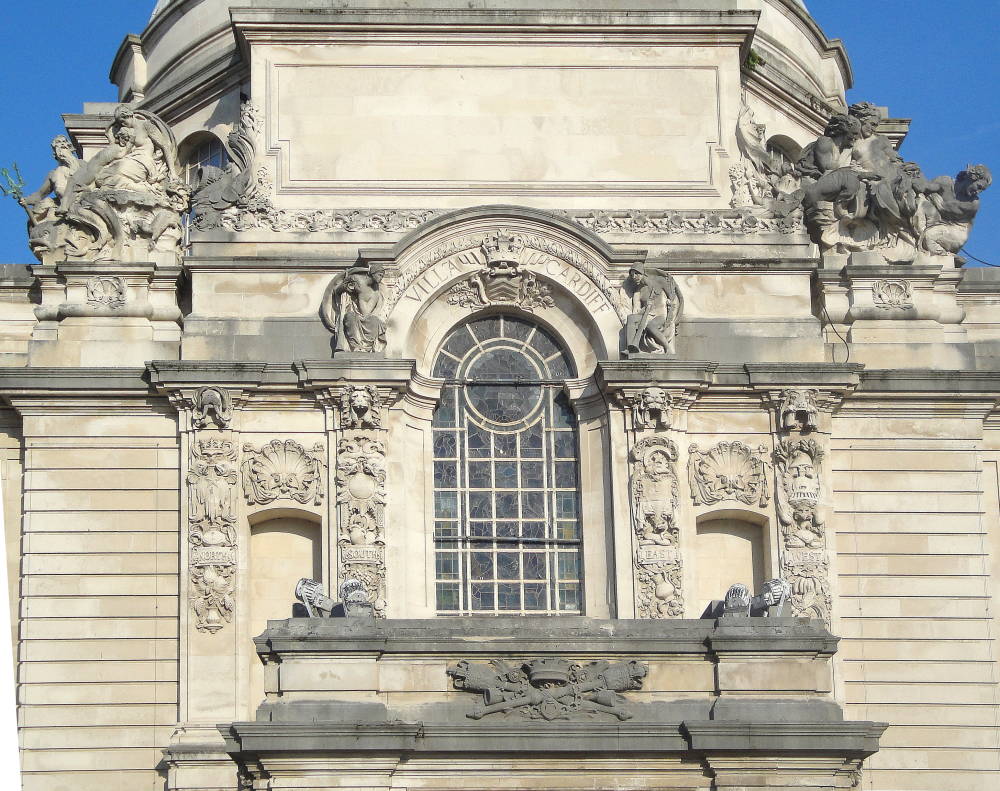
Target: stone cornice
x,y
699,736
490,637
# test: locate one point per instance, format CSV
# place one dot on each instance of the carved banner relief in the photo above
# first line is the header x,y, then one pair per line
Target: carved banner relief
x,y
361,494
658,566
212,530
804,553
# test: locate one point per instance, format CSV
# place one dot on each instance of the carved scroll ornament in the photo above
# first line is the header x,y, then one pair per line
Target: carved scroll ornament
x,y
284,470
552,688
658,570
729,471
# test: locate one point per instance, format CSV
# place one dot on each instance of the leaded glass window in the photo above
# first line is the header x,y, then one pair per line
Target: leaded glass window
x,y
506,479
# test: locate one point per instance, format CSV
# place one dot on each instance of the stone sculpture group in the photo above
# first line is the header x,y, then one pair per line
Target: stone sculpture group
x,y
125,203
856,192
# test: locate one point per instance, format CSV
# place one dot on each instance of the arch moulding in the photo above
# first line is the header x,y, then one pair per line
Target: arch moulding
x,y
567,279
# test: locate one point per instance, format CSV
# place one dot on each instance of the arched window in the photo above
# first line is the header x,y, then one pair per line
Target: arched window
x,y
506,477
200,150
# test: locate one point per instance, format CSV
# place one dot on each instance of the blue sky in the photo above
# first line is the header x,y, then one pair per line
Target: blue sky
x,y
935,62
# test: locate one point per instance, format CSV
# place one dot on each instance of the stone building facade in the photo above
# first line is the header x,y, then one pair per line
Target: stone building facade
x,y
527,328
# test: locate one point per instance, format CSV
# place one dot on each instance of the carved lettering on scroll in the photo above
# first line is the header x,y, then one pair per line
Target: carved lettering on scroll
x,y
658,578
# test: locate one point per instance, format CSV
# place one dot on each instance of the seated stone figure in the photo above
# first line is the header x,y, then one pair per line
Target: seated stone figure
x,y
945,214
41,205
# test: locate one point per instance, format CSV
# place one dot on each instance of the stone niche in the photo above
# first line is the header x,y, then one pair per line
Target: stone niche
x,y
734,702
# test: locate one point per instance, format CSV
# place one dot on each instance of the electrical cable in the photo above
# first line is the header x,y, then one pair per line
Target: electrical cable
x,y
980,260
833,326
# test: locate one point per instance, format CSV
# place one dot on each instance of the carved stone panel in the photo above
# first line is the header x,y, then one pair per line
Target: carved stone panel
x,y
551,688
658,577
284,470
212,534
107,291
890,294
360,480
729,471
804,559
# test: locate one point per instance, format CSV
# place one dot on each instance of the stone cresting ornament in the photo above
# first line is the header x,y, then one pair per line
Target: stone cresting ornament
x,y
656,307
212,536
892,294
658,567
729,471
798,410
351,310
107,291
361,497
859,195
804,560
651,409
360,407
550,688
125,203
212,405
284,470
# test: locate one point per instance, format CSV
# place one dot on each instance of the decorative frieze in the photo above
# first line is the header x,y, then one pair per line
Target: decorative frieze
x,y
212,532
658,566
550,688
728,471
804,556
284,470
361,496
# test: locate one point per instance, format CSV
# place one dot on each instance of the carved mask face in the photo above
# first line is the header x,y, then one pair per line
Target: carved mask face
x,y
360,401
